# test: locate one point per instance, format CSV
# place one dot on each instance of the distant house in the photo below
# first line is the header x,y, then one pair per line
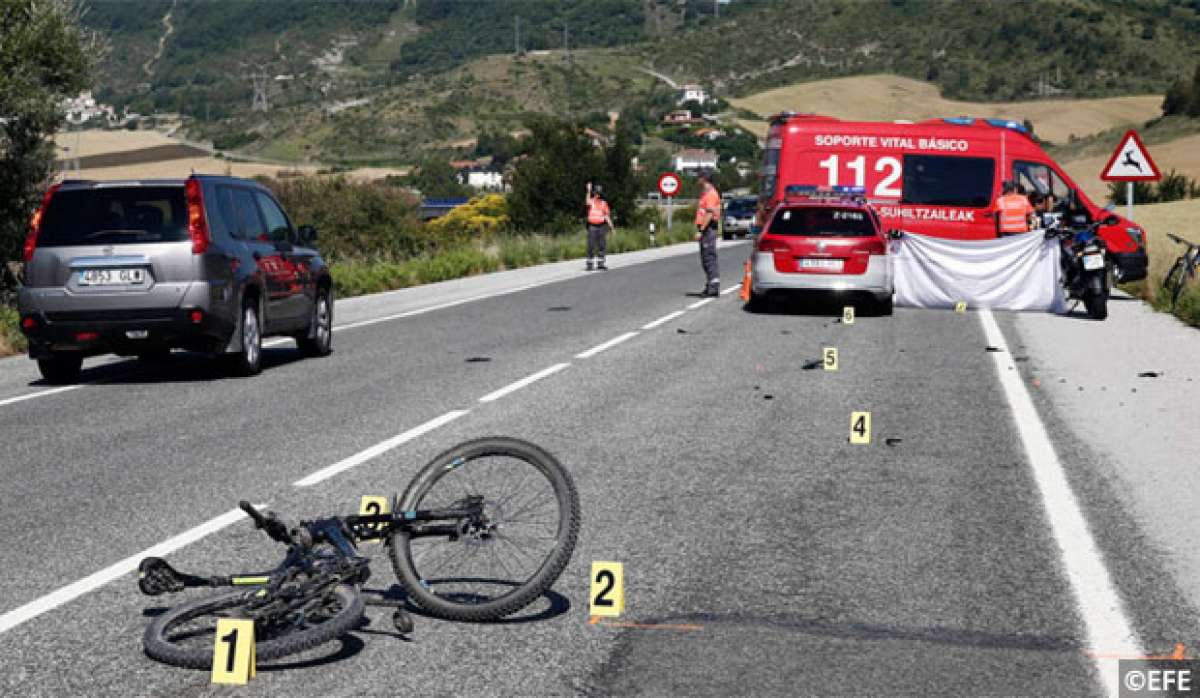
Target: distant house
x,y
482,178
679,116
692,93
692,160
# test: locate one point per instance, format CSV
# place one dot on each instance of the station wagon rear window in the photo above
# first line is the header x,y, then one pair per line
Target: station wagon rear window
x,y
115,215
939,180
822,222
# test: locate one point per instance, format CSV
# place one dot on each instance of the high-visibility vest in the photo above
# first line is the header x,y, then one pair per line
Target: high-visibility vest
x,y
710,204
1013,210
597,211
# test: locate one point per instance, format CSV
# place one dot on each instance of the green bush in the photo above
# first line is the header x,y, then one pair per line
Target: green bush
x,y
11,339
356,221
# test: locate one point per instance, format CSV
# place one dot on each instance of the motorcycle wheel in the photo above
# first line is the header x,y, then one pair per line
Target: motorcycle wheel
x,y
1095,298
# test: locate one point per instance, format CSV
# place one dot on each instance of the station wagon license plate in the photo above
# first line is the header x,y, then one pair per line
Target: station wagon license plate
x,y
819,263
112,277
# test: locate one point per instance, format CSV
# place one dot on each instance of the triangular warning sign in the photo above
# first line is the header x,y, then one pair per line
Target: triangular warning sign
x,y
1130,162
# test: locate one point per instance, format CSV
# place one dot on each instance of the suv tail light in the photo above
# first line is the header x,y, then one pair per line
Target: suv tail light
x,y
35,223
197,223
874,246
766,243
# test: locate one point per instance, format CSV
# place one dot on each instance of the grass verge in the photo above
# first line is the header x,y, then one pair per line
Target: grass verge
x,y
506,252
11,339
1183,219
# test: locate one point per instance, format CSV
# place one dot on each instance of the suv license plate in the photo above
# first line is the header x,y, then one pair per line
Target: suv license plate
x,y
818,263
112,277
1093,261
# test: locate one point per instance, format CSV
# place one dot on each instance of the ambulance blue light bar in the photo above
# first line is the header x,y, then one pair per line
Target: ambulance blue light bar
x,y
812,191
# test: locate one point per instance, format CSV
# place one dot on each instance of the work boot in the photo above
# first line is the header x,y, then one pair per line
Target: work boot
x,y
589,266
601,267
710,292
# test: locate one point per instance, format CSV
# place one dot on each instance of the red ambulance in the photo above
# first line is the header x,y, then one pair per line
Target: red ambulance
x,y
939,177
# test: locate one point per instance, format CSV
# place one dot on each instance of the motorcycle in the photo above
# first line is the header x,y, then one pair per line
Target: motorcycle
x,y
1085,264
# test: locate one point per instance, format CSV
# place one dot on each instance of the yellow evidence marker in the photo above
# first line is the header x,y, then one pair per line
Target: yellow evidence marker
x,y
372,505
829,358
234,658
960,307
607,597
848,315
860,427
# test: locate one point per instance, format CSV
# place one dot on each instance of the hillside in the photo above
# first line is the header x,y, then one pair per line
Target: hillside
x,y
887,97
987,51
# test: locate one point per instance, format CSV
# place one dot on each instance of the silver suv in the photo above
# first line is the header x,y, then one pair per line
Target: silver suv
x,y
211,264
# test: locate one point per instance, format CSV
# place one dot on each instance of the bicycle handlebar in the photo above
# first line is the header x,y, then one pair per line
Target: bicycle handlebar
x,y
275,528
1182,241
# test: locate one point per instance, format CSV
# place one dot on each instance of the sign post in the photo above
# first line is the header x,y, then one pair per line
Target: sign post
x,y
668,186
1130,163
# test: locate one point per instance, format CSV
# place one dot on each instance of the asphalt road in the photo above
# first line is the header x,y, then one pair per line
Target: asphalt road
x,y
763,553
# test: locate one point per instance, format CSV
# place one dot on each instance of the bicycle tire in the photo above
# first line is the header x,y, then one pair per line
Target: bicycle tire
x,y
1173,281
159,648
524,593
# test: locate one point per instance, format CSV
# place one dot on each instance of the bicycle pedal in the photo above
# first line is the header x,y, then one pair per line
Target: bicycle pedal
x,y
403,621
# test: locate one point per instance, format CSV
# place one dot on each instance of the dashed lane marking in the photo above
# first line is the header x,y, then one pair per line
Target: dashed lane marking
x,y
378,449
527,380
606,345
53,600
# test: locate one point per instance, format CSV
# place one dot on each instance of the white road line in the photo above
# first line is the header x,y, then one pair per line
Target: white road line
x,y
41,393
662,320
527,380
1109,633
606,345
731,289
440,306
53,600
697,304
377,450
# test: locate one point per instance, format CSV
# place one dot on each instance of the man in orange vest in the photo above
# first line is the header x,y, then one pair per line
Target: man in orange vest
x,y
599,222
708,212
1013,211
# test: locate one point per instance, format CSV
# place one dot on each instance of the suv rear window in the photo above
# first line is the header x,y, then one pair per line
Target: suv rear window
x,y
822,222
939,180
741,207
115,215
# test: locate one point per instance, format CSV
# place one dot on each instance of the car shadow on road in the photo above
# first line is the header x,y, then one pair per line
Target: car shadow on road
x,y
180,367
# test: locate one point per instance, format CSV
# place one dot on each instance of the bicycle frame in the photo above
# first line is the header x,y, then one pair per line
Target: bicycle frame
x,y
342,532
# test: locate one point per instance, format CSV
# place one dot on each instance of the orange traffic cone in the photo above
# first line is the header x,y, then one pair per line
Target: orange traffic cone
x,y
745,292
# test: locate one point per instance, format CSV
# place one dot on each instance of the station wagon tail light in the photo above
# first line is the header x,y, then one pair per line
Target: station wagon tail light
x,y
35,223
766,243
197,225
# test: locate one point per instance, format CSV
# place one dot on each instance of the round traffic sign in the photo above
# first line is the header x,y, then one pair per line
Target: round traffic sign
x,y
668,184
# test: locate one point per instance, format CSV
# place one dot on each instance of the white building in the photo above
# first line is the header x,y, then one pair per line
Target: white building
x,y
693,160
692,93
478,178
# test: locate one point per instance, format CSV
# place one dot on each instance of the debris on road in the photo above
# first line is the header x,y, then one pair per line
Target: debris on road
x,y
1149,374
811,364
892,440
558,309
479,359
994,349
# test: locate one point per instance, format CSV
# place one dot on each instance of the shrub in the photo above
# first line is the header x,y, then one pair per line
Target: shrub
x,y
11,339
1173,187
356,220
480,217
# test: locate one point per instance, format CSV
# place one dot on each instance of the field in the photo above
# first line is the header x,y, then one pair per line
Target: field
x,y
888,97
1182,154
151,154
1179,217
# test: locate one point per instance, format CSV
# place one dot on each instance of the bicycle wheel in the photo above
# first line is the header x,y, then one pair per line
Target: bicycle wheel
x,y
531,522
1173,281
184,635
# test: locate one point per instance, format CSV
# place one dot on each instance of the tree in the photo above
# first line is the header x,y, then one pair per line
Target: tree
x,y
549,185
1194,105
620,185
45,56
436,179
1178,98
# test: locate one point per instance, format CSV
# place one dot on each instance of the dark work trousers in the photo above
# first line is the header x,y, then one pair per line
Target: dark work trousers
x,y
708,255
596,241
